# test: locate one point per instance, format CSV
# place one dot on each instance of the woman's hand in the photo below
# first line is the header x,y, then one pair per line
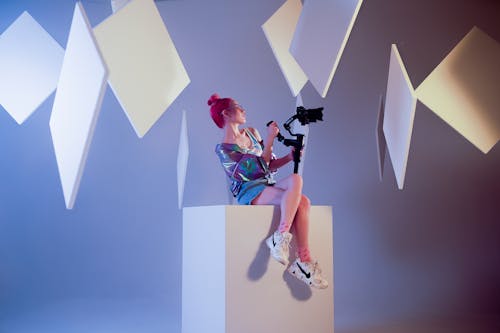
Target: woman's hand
x,y
279,162
272,131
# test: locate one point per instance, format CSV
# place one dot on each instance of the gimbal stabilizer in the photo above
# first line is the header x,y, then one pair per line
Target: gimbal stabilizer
x,y
304,116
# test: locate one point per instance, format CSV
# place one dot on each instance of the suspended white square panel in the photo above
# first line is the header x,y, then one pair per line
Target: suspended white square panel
x,y
381,144
182,159
298,100
279,30
464,89
116,5
399,113
77,103
320,38
30,63
145,70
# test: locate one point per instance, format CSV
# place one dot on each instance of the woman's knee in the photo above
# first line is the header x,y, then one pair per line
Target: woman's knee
x,y
304,203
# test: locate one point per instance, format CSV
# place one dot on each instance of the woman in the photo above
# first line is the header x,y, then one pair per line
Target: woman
x,y
249,163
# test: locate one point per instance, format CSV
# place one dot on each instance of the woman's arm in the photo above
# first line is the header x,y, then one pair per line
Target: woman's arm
x,y
275,164
239,166
272,132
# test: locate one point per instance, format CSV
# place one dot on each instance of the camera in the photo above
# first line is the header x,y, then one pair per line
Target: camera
x,y
306,116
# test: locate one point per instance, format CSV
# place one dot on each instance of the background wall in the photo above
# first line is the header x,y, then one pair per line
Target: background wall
x,y
428,253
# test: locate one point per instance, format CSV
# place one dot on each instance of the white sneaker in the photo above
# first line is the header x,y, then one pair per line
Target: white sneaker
x,y
309,273
279,244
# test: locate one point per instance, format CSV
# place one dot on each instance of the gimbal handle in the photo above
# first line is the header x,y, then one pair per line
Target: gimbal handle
x,y
298,144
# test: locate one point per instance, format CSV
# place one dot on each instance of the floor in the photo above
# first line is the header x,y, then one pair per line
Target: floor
x,y
88,316
143,316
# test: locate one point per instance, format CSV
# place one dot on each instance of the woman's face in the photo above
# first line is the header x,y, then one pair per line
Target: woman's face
x,y
236,113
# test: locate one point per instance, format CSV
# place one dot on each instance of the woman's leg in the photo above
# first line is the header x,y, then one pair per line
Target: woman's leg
x,y
288,194
294,212
301,228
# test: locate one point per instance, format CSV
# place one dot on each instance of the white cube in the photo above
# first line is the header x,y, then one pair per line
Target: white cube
x,y
230,283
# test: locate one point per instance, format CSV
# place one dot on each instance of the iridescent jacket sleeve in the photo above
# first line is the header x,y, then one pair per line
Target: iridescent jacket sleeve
x,y
239,166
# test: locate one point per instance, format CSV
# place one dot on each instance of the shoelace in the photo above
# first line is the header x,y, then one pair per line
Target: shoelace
x,y
316,268
317,273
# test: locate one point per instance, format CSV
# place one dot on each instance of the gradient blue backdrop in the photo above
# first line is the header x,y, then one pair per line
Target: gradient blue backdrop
x,y
428,253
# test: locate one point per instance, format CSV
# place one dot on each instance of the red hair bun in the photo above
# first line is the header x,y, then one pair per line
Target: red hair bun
x,y
214,98
217,105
